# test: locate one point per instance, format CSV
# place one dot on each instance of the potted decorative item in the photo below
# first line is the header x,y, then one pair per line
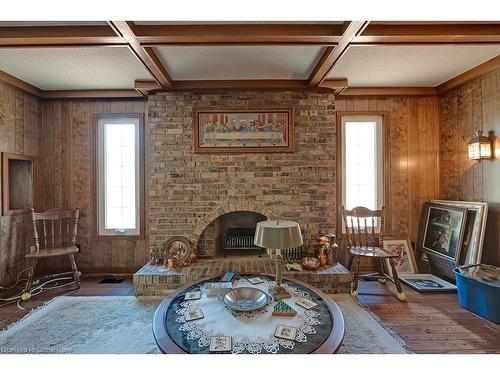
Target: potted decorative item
x,y
310,263
323,243
334,250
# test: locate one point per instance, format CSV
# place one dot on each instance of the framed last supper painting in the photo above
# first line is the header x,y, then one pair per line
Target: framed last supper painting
x,y
243,130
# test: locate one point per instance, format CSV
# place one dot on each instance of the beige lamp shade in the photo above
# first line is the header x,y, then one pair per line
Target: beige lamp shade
x,y
278,234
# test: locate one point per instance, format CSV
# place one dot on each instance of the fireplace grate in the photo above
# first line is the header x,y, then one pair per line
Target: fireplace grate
x,y
240,239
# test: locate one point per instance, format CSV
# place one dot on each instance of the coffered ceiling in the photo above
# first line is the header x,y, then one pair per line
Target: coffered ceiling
x,y
82,68
409,66
239,62
63,58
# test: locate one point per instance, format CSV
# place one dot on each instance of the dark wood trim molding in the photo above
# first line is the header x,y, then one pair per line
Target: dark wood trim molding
x,y
257,34
59,36
337,84
388,91
19,83
333,54
478,71
89,94
145,87
377,33
146,55
277,84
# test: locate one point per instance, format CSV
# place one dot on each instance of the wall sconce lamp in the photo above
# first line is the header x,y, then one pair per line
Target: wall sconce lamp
x,y
480,147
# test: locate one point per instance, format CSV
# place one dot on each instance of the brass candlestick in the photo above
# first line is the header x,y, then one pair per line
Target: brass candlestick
x,y
279,292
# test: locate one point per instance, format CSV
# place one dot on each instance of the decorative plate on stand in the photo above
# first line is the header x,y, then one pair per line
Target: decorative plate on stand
x,y
177,247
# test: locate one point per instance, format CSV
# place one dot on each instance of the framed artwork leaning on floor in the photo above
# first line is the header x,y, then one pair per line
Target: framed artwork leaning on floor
x,y
475,226
405,262
442,230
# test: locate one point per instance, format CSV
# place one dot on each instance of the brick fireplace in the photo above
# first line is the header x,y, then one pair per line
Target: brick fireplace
x,y
187,192
191,194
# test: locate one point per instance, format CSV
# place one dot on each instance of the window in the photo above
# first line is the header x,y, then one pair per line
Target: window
x,y
362,162
119,176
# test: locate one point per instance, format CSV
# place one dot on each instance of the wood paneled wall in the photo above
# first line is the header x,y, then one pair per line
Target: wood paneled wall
x,y
411,155
67,179
20,122
475,105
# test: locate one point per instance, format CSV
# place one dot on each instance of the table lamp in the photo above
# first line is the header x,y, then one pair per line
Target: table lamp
x,y
276,235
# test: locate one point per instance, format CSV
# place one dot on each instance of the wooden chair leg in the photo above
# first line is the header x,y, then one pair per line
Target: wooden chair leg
x,y
27,290
354,285
401,296
349,261
381,279
76,273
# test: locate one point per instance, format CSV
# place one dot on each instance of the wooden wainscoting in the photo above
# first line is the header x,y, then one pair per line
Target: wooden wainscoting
x,y
411,149
67,179
463,110
20,123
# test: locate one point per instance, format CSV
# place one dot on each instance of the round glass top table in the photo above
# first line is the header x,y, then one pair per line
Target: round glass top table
x,y
319,328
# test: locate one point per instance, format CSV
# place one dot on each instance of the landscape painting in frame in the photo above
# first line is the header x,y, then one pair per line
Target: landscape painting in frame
x,y
444,229
244,130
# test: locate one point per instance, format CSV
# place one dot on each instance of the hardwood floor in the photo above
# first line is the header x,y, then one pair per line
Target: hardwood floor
x,y
429,323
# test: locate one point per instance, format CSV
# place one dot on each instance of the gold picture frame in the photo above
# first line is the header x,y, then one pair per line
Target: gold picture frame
x,y
243,130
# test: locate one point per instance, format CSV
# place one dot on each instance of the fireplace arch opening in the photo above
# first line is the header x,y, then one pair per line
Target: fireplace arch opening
x,y
230,234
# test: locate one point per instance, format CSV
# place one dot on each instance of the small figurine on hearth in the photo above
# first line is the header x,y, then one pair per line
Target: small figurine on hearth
x,y
193,257
155,255
323,243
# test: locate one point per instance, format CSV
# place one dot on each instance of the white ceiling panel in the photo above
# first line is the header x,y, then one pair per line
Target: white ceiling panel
x,y
409,66
74,68
238,62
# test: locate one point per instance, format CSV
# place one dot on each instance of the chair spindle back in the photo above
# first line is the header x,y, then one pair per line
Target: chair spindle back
x,y
361,224
56,226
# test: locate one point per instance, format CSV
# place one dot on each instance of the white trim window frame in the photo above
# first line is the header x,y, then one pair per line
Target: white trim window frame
x,y
362,163
118,176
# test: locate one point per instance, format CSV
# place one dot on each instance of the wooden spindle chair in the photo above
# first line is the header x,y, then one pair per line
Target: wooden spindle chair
x,y
54,234
365,231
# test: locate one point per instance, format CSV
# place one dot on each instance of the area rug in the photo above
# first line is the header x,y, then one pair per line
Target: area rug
x,y
114,325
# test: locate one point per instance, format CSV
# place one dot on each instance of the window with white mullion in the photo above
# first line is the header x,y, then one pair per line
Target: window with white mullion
x,y
119,176
362,145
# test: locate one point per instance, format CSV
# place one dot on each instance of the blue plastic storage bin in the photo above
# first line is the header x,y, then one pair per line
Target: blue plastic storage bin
x,y
478,289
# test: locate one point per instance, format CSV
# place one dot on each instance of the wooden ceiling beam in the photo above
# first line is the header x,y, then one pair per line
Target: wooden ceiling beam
x,y
255,84
19,83
267,84
145,87
429,34
337,84
59,36
146,55
259,34
480,70
333,54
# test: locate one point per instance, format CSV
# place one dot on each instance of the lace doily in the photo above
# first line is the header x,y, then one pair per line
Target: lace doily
x,y
252,331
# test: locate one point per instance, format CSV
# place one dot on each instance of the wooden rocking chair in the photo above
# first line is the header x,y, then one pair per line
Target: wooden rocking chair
x,y
58,228
364,241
